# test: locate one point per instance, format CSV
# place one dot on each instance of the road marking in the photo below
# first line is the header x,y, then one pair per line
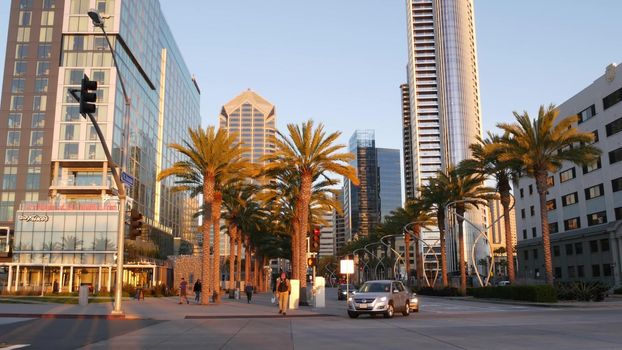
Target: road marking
x,y
16,346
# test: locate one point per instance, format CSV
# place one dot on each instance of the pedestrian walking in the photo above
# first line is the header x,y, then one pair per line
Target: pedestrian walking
x,y
197,290
283,289
249,292
183,286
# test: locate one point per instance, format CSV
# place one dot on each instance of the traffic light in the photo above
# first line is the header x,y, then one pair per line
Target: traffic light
x,y
136,224
87,98
311,262
315,240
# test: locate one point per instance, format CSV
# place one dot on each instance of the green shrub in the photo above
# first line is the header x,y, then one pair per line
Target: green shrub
x,y
581,291
536,293
439,292
617,291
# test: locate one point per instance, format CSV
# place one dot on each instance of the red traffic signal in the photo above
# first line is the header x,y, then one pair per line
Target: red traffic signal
x,y
315,240
136,224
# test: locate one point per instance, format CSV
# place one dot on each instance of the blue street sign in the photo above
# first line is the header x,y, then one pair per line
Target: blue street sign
x,y
127,179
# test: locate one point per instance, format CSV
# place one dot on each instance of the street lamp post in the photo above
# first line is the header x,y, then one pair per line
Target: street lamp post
x,y
98,22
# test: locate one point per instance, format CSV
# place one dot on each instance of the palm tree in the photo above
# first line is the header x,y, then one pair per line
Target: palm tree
x,y
484,162
210,156
540,147
311,153
420,215
435,195
465,192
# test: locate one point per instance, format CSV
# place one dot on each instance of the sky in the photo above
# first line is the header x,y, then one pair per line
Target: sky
x,y
341,62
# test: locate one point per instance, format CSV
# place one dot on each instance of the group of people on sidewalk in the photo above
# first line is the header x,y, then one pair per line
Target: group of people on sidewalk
x,y
281,290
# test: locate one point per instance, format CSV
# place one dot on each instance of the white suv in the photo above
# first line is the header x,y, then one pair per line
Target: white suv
x,y
382,297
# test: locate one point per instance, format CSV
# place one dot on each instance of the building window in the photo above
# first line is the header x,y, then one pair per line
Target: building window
x,y
11,156
578,248
597,218
550,181
20,68
43,68
23,34
47,18
594,246
33,178
532,210
570,199
553,227
17,103
9,179
38,120
49,4
604,245
558,272
25,4
618,213
551,204
615,155
35,156
24,18
616,184
522,193
45,33
68,151
594,191
17,85
572,224
530,189
524,234
614,127
571,273
593,166
555,250
522,213
595,132
41,85
79,7
567,175
39,103
15,120
580,271
607,270
535,253
12,138
596,270
612,98
587,113
36,138
21,51
44,51
526,254
533,232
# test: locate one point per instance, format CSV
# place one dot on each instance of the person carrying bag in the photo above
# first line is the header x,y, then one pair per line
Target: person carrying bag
x,y
283,289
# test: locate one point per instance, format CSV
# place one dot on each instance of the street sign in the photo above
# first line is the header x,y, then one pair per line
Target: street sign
x,y
347,266
127,179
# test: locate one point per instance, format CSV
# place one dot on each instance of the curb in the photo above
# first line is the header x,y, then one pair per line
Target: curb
x,y
255,316
72,316
518,303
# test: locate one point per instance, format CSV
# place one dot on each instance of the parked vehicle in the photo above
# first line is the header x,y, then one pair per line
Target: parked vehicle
x,y
382,297
342,290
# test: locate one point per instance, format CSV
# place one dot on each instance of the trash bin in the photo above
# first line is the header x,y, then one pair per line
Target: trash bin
x,y
83,296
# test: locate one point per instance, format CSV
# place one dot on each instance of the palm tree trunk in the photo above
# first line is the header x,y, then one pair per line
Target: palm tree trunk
x,y
256,271
407,255
544,217
216,222
206,273
440,217
239,256
294,258
461,256
264,285
247,263
305,199
418,256
232,229
509,247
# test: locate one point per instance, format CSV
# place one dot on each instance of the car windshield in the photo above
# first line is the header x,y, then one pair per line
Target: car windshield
x,y
375,287
345,286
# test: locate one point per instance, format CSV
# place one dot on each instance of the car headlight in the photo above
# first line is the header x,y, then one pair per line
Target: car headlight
x,y
350,299
415,300
383,299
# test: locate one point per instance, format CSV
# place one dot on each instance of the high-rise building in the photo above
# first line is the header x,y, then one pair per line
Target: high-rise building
x,y
339,226
327,235
496,234
362,202
253,118
443,92
389,179
409,184
54,155
584,203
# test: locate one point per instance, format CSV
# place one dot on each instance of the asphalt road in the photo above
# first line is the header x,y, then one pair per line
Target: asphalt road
x,y
441,324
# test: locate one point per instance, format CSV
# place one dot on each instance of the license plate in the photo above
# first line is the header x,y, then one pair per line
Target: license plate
x,y
362,306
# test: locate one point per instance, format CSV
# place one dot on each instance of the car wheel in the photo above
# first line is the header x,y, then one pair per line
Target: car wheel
x,y
353,314
406,311
389,312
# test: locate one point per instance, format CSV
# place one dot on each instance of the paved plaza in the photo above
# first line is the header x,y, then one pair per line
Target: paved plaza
x,y
233,324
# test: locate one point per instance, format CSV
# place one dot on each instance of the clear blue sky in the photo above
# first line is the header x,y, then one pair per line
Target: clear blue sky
x,y
341,62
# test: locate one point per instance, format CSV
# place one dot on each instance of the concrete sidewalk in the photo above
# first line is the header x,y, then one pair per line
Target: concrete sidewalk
x,y
160,309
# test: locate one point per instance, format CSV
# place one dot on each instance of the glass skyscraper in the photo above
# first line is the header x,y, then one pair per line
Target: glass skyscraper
x,y
442,93
55,156
389,179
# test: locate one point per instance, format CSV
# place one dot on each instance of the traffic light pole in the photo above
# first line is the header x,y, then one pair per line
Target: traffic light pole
x,y
122,200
